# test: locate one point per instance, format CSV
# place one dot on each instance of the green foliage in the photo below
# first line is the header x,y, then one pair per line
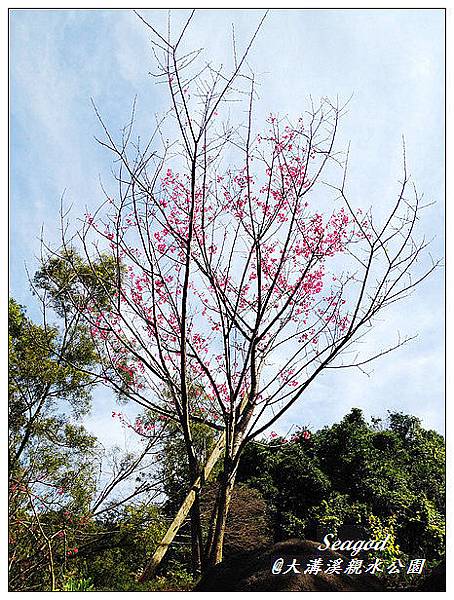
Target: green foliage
x,y
73,284
336,511
380,529
42,437
351,472
81,290
73,583
51,456
177,579
121,547
44,367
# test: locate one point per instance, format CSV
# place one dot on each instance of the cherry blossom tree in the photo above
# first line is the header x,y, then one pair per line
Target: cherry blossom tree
x,y
235,289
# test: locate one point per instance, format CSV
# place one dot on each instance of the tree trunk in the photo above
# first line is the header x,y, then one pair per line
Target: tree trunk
x,y
215,544
196,537
153,564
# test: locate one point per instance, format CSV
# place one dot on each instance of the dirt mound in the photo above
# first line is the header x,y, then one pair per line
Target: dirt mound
x,y
435,581
252,571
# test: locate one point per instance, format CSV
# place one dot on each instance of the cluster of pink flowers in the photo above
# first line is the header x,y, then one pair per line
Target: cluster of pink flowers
x,y
141,426
305,434
289,273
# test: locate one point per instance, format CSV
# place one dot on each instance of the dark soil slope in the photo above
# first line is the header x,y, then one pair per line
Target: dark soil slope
x,y
251,572
435,581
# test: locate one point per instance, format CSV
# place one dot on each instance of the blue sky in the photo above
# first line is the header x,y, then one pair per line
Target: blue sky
x,y
392,61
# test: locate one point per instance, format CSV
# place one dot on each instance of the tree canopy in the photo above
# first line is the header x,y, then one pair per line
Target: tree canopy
x,y
351,472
